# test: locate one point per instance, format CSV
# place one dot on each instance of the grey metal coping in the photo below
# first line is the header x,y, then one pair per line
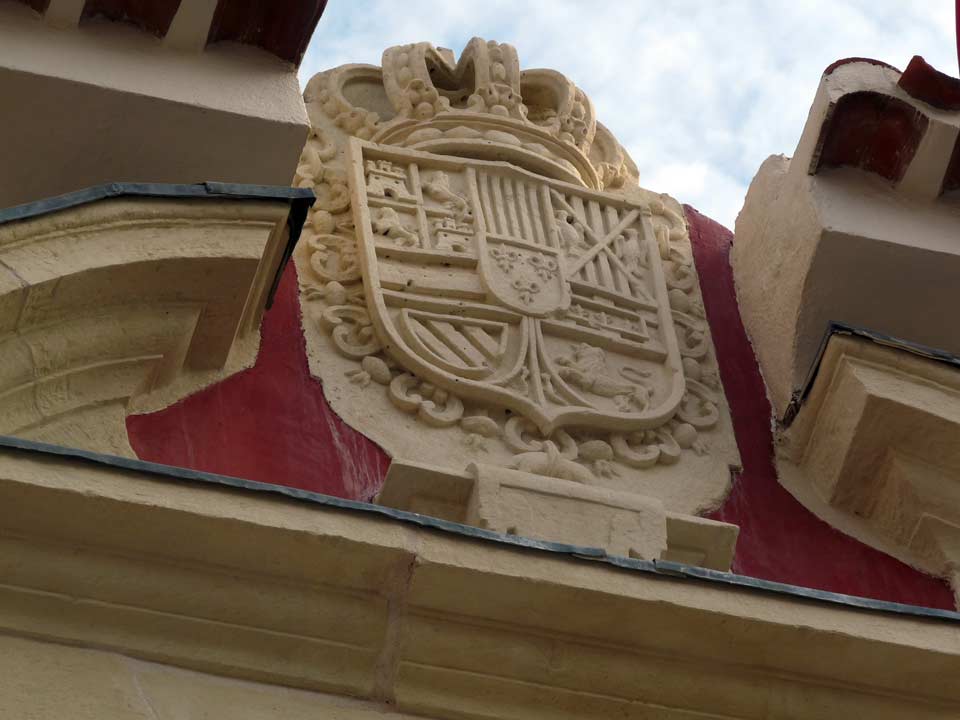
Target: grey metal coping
x,y
660,568
299,199
840,328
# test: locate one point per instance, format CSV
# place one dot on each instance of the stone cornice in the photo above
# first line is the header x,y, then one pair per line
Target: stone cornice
x,y
264,587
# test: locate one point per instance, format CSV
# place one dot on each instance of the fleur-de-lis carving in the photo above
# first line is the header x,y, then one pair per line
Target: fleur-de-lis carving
x,y
545,267
526,289
506,259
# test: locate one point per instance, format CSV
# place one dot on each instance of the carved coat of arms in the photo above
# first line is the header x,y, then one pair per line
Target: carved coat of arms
x,y
514,290
480,250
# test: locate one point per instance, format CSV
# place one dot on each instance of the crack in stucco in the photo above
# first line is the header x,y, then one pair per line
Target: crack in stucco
x,y
140,691
388,662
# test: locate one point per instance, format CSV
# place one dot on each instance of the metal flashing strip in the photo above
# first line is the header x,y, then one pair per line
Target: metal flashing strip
x,y
299,200
173,472
838,328
662,568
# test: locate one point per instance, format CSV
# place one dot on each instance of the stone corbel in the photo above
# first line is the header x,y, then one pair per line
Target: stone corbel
x,y
859,229
874,449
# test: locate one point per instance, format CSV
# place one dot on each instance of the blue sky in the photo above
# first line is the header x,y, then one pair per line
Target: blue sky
x,y
700,92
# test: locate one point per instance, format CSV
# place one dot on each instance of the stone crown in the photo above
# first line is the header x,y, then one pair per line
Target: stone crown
x,y
481,106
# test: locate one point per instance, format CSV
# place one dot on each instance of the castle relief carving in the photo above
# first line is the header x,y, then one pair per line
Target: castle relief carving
x,y
484,284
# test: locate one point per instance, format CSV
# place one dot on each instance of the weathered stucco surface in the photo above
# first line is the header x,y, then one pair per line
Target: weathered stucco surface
x,y
259,587
105,102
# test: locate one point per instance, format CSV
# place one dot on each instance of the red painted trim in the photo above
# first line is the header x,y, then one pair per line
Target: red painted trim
x,y
871,131
847,61
39,6
270,423
779,538
281,27
924,82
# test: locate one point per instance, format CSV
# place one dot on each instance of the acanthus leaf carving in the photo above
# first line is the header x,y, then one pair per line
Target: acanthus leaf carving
x,y
551,463
698,407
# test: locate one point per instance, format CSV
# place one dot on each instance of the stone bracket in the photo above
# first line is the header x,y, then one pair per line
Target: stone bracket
x,y
870,187
873,448
526,504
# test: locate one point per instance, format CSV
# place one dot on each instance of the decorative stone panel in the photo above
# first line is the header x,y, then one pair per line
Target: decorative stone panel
x,y
485,284
875,450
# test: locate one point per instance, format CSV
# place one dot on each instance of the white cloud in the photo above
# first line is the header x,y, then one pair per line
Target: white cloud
x,y
721,192
699,91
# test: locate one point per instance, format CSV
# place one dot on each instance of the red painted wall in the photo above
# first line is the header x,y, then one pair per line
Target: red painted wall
x,y
271,423
779,538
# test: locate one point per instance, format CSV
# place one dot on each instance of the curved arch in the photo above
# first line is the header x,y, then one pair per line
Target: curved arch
x,y
143,298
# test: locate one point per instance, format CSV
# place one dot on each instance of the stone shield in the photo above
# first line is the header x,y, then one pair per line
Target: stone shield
x,y
516,291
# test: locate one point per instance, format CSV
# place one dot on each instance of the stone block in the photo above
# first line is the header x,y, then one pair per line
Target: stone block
x,y
562,511
546,508
858,227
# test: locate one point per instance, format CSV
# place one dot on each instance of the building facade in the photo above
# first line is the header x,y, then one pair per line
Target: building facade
x,y
403,396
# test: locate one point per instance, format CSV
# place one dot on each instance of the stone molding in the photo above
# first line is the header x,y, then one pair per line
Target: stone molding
x,y
129,303
874,451
857,228
257,587
55,681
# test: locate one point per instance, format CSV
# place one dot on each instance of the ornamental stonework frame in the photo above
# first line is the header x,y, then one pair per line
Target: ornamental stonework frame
x,y
488,284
